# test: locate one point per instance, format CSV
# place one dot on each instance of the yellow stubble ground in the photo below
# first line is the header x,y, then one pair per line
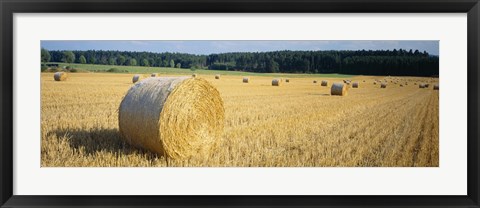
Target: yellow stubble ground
x,y
297,124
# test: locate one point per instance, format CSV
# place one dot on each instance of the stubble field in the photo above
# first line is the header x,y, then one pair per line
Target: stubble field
x,y
295,125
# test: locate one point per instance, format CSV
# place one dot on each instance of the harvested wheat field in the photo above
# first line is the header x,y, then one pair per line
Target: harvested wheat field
x,y
297,125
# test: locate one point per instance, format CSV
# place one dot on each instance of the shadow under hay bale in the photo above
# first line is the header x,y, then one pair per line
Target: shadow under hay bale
x,y
97,140
339,89
153,116
60,76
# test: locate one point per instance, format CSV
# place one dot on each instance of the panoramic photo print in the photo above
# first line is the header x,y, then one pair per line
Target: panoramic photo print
x,y
239,103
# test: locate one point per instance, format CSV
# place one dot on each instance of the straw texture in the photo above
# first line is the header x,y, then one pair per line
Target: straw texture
x,y
277,82
135,78
60,76
339,89
179,117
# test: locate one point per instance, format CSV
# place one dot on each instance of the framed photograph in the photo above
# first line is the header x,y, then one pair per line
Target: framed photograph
x,y
211,103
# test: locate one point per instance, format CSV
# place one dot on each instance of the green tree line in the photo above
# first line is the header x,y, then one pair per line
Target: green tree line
x,y
372,62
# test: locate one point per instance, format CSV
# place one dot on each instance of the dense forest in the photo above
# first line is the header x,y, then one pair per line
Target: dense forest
x,y
379,62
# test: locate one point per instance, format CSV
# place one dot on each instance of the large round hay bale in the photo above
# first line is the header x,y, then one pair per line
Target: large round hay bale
x,y
324,83
276,82
217,76
178,117
135,78
383,85
355,85
246,80
436,87
154,75
314,81
339,89
60,76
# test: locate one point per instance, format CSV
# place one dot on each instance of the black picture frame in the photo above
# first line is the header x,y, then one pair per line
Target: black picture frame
x,y
9,7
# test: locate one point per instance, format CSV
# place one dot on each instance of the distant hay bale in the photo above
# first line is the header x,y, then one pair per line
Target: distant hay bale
x,y
154,75
401,85
60,76
314,81
421,86
178,117
135,78
374,83
427,85
277,82
194,75
339,89
355,85
287,80
363,80
246,80
383,85
217,76
324,83
436,87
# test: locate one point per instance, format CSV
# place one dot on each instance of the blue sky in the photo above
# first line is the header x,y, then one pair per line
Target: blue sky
x,y
209,47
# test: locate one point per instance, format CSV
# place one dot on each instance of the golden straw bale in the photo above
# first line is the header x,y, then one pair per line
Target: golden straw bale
x,y
287,80
339,89
60,76
324,83
314,81
374,83
178,117
246,80
421,86
383,85
217,76
355,85
277,82
135,78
